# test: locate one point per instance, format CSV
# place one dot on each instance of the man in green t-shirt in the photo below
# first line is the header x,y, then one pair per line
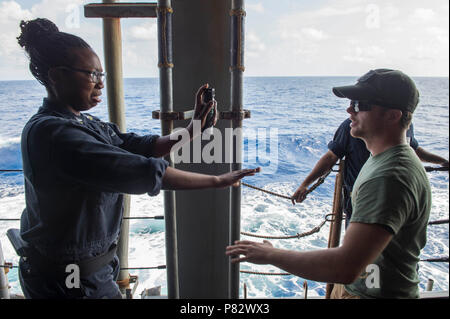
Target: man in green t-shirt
x,y
391,202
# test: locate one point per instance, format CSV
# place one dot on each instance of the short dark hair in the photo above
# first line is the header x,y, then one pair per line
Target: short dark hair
x,y
46,46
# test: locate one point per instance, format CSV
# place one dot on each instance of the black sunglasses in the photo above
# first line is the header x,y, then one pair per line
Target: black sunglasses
x,y
359,106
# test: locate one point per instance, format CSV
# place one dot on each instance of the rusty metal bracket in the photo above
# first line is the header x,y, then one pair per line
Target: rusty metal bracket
x,y
235,115
120,10
7,267
173,116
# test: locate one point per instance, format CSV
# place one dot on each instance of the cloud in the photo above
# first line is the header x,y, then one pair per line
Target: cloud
x,y
440,34
345,37
329,37
12,11
367,55
255,46
330,11
144,31
314,34
256,7
423,14
67,15
12,59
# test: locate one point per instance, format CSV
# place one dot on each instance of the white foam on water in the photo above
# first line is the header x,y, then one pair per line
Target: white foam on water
x,y
5,141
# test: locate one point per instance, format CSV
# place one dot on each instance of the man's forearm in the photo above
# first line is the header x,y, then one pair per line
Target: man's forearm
x,y
428,157
325,163
325,265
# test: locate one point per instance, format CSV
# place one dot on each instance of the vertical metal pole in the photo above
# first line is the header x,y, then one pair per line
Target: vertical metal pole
x,y
237,73
335,228
112,44
201,50
166,100
4,287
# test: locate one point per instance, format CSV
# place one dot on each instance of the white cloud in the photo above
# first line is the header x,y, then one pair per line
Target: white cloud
x,y
330,37
67,15
423,14
330,11
59,11
256,7
367,55
440,34
11,10
314,34
12,58
254,45
145,31
344,37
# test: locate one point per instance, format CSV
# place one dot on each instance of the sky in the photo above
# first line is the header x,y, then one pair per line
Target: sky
x,y
282,37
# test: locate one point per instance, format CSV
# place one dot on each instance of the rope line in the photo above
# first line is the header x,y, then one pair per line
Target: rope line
x,y
439,222
137,217
442,259
298,235
7,265
266,191
144,268
436,169
436,260
265,273
427,168
319,182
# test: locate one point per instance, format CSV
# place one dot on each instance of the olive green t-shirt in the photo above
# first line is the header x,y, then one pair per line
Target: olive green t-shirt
x,y
392,190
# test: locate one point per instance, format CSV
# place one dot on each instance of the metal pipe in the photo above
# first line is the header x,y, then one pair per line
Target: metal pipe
x,y
335,228
164,13
237,69
4,286
112,44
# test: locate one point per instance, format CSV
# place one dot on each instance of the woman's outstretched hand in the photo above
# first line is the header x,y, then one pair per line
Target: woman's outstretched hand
x,y
234,178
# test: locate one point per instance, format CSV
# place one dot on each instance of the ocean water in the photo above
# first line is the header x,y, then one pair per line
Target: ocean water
x,y
304,114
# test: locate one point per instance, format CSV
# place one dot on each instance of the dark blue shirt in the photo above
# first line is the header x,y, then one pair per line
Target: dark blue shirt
x,y
356,154
76,169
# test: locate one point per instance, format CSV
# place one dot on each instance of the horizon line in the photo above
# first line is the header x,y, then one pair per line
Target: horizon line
x,y
263,76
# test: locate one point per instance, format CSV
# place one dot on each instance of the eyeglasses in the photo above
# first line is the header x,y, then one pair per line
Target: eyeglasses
x,y
96,77
359,106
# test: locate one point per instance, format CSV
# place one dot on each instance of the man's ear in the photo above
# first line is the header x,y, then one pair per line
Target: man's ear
x,y
394,115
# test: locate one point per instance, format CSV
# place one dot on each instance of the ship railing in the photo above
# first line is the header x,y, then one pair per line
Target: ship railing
x,y
334,218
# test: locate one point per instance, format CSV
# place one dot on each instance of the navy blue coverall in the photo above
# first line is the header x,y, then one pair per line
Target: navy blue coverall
x,y
76,170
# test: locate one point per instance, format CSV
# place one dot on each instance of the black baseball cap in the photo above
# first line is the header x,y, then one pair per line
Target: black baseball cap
x,y
388,88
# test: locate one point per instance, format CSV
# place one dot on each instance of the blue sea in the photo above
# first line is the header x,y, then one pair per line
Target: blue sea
x,y
304,114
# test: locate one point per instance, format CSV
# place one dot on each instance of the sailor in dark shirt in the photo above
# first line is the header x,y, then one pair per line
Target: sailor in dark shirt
x,y
77,169
356,154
